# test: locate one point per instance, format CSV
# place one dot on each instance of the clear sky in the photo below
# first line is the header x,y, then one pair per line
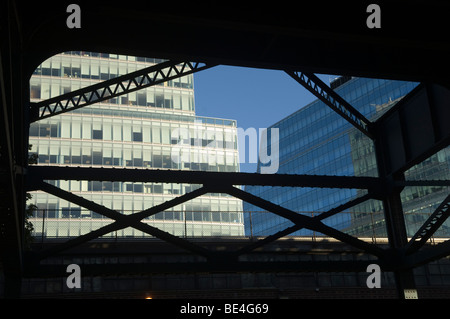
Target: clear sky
x,y
255,98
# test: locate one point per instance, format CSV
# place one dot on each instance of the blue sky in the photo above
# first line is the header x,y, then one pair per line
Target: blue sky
x,y
255,98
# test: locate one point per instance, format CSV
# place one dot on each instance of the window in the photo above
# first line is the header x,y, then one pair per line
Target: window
x,y
72,212
157,161
117,132
159,98
107,156
95,186
54,149
85,74
168,103
45,90
76,130
75,212
95,71
48,130
127,157
127,132
35,91
76,71
176,102
137,158
156,137
150,98
107,186
65,212
34,129
117,157
138,188
76,156
157,188
146,159
53,130
87,158
87,131
142,98
137,133
116,186
104,72
167,161
46,71
165,133
132,98
97,157
97,133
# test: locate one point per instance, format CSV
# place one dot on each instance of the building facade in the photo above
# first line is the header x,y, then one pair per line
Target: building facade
x,y
315,140
138,130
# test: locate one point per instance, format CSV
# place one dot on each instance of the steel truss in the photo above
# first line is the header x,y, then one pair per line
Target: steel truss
x,y
399,144
382,188
118,86
400,257
327,95
425,232
224,183
135,220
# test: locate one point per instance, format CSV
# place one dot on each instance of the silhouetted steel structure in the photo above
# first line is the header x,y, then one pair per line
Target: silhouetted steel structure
x,y
300,42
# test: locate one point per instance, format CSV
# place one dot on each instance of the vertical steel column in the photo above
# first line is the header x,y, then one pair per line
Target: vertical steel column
x,y
397,235
13,149
395,223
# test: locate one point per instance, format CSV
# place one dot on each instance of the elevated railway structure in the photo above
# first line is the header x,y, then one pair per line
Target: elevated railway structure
x,y
323,37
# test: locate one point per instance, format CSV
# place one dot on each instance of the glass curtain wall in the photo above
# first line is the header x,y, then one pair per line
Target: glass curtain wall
x,y
316,140
137,131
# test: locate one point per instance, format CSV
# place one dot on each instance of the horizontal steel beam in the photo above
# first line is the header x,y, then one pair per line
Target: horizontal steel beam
x,y
39,173
327,95
121,85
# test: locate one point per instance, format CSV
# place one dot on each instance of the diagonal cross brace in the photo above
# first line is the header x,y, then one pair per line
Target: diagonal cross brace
x,y
304,221
122,221
297,227
327,95
424,233
108,89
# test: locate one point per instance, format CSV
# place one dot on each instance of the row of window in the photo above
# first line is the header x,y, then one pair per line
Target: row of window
x,y
147,132
150,97
157,161
196,216
137,202
92,73
112,56
84,67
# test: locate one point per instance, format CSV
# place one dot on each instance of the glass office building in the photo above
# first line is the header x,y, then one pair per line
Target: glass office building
x,y
139,130
315,140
